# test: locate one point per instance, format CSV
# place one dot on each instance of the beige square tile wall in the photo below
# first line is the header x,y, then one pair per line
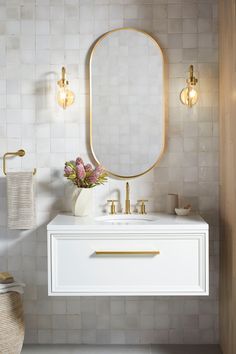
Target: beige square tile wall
x,y
36,39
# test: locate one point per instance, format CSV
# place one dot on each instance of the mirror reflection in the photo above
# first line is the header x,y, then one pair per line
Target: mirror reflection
x,y
127,130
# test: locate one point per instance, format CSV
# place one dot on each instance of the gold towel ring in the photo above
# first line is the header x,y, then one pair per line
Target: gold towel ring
x,y
20,153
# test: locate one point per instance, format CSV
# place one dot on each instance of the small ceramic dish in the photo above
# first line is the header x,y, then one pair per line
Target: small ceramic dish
x,y
182,211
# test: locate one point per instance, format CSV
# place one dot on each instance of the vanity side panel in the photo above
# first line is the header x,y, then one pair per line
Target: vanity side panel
x,y
49,262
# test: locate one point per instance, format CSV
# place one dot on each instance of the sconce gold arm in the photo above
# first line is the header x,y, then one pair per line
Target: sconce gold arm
x,y
192,80
19,153
151,253
63,80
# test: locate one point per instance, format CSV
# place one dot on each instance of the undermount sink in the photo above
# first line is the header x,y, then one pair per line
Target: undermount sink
x,y
126,219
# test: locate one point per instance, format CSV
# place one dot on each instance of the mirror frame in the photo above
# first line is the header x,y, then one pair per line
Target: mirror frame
x,y
97,42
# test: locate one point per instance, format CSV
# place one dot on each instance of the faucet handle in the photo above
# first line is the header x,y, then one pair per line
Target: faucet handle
x,y
113,207
143,206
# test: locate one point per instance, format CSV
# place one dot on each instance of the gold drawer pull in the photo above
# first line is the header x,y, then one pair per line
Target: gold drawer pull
x,y
151,253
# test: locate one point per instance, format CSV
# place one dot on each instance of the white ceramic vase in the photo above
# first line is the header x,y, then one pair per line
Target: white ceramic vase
x,y
82,201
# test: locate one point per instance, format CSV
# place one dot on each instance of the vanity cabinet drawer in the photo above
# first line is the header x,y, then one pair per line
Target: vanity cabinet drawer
x,y
87,264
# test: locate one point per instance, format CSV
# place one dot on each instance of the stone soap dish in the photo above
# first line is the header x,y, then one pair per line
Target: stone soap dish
x,y
183,211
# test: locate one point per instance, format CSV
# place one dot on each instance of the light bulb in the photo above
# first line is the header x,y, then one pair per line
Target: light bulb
x,y
65,97
189,96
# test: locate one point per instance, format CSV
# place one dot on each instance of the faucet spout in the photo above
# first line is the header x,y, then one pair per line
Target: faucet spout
x,y
127,199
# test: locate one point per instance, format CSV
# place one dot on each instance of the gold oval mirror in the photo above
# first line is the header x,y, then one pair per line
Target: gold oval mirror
x,y
127,118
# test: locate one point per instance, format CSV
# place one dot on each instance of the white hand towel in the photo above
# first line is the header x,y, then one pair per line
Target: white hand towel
x,y
20,195
15,286
12,285
17,289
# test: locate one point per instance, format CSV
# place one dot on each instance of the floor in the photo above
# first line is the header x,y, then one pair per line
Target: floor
x,y
119,349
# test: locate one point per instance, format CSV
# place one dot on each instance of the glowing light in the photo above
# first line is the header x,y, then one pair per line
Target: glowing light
x,y
189,96
65,97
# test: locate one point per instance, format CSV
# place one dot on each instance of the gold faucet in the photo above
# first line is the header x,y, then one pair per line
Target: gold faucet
x,y
127,200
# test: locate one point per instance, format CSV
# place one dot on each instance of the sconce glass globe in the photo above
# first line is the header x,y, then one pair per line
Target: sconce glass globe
x,y
65,97
189,96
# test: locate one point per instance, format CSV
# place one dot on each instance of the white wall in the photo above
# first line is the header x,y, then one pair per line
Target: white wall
x,y
36,39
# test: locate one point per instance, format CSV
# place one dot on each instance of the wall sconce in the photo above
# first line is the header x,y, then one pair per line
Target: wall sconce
x,y
189,95
65,97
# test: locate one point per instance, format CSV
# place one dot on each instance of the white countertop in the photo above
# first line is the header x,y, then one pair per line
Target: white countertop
x,y
160,221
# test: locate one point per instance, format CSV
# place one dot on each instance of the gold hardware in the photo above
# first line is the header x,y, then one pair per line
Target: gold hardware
x,y
128,253
163,138
143,206
63,80
189,95
113,207
65,97
127,200
20,153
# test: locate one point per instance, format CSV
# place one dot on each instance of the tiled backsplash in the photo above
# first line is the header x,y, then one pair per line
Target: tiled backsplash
x,y
36,39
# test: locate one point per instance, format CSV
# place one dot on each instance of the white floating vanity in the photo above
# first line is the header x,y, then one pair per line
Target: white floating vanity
x,y
135,255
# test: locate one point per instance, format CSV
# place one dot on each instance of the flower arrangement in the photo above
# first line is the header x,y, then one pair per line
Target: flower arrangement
x,y
84,175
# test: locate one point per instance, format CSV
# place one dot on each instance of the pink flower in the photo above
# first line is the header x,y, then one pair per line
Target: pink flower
x,y
79,161
99,170
80,171
84,176
88,167
68,170
93,177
